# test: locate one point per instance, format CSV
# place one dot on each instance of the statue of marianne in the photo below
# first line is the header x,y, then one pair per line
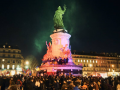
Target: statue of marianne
x,y
58,22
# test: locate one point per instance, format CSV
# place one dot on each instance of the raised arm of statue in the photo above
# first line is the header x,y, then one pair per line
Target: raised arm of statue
x,y
64,8
47,44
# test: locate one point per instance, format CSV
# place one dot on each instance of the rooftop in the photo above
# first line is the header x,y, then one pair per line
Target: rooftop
x,y
9,46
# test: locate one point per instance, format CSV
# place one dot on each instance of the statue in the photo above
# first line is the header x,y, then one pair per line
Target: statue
x,y
49,52
65,52
58,22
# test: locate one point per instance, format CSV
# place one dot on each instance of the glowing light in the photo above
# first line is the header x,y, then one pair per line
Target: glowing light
x,y
96,61
90,65
78,60
84,60
109,69
8,66
81,60
12,72
3,60
112,65
90,61
2,66
87,61
93,61
27,62
13,66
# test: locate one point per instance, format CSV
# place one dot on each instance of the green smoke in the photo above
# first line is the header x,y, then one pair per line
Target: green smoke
x,y
48,26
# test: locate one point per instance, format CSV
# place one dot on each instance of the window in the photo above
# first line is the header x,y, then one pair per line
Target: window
x,y
8,66
13,66
3,60
13,61
84,60
9,51
8,55
14,56
96,61
3,50
8,61
2,66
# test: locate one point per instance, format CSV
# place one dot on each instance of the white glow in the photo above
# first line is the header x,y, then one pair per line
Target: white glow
x,y
113,70
90,65
90,61
12,72
27,62
3,60
26,67
8,66
84,60
96,61
93,61
78,60
2,66
13,66
81,60
112,65
87,61
109,69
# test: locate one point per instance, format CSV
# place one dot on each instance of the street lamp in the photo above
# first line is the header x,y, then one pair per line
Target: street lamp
x,y
27,62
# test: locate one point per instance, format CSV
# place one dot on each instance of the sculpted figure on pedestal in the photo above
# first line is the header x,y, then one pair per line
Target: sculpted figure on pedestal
x,y
58,22
65,52
49,52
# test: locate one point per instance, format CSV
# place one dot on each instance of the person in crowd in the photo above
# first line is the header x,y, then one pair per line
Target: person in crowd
x,y
118,86
37,84
64,86
95,86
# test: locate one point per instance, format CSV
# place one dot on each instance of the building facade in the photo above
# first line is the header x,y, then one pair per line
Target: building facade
x,y
98,64
11,60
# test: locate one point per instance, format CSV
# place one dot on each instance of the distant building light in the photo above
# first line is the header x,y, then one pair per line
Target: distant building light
x,y
13,66
9,46
87,61
93,61
3,60
2,66
4,46
90,61
84,60
78,60
112,65
96,61
90,65
8,66
81,60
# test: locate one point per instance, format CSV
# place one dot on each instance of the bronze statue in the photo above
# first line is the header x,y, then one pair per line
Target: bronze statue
x,y
58,22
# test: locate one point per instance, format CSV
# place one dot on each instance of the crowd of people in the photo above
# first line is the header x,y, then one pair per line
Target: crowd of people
x,y
61,82
59,60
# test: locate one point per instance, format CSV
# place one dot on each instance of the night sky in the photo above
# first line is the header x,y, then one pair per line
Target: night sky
x,y
93,24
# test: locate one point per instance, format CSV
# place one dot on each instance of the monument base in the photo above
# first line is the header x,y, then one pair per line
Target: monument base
x,y
69,68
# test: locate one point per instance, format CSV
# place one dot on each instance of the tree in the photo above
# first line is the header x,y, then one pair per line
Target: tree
x,y
32,62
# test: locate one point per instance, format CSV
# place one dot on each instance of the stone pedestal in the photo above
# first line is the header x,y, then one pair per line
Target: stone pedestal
x,y
59,40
